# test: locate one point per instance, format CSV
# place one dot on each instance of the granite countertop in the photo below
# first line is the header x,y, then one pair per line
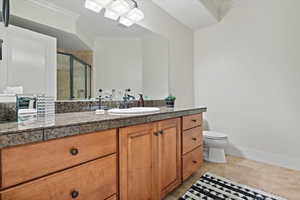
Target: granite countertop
x,y
67,124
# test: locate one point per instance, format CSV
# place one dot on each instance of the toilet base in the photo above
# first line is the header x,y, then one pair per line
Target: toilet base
x,y
216,155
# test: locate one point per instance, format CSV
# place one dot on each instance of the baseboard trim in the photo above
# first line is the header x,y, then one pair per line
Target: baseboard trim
x,y
265,157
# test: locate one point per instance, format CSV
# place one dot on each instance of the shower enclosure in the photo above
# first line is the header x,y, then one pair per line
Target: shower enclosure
x,y
73,78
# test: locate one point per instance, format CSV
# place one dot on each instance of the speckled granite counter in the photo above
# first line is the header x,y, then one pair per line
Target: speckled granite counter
x,y
67,124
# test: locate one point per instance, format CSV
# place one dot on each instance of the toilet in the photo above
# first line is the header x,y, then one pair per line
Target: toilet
x,y
214,146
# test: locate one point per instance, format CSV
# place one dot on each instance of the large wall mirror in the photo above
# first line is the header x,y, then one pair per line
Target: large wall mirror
x,y
73,63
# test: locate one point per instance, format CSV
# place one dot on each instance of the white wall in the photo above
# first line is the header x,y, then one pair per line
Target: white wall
x,y
181,50
118,64
155,66
247,73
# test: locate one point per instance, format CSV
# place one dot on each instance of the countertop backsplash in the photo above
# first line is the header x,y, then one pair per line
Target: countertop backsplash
x,y
8,111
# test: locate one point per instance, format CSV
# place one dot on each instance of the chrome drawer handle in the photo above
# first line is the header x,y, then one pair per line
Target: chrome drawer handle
x,y
74,194
74,151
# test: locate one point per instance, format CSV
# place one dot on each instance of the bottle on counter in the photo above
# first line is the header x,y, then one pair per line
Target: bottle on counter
x,y
141,102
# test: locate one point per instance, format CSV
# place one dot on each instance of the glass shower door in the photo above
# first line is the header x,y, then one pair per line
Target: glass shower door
x,y
79,82
63,77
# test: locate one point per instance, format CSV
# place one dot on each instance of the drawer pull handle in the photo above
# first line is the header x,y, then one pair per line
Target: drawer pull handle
x,y
194,161
161,132
74,151
194,120
74,194
156,133
194,138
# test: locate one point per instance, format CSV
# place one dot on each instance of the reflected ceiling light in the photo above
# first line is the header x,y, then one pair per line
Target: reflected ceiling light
x,y
126,22
90,4
96,5
110,15
126,11
119,7
135,15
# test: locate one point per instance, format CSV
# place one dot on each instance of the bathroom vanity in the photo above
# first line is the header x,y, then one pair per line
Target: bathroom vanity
x,y
98,157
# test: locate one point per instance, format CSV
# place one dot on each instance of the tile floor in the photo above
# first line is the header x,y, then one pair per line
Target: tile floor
x,y
272,179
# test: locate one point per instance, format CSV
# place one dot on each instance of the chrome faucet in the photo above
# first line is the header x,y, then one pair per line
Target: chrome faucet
x,y
100,99
127,99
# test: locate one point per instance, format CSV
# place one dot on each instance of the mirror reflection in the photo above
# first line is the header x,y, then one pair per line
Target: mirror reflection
x,y
98,54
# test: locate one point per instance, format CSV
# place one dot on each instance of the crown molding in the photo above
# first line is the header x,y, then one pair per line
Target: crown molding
x,y
55,8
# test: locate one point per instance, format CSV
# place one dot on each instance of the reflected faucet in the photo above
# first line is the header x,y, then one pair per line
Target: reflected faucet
x,y
100,99
127,99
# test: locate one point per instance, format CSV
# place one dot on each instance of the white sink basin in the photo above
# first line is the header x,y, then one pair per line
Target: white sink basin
x,y
133,111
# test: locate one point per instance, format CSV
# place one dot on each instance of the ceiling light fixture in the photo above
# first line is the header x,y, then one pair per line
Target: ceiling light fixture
x,y
135,15
96,5
126,22
111,15
126,11
119,7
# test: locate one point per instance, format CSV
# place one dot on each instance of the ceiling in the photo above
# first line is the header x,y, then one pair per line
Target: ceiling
x,y
196,14
89,25
191,13
95,24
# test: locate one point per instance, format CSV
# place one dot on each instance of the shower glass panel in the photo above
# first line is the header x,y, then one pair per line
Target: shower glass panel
x,y
89,82
63,77
79,83
73,78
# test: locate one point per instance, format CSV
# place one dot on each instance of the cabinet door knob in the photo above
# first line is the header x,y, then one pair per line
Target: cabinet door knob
x,y
161,132
74,194
194,120
74,151
194,161
156,133
194,138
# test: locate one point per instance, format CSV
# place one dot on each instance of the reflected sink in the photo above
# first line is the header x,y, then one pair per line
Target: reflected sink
x,y
133,111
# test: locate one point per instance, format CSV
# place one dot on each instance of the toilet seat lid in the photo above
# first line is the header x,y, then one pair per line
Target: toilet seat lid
x,y
214,135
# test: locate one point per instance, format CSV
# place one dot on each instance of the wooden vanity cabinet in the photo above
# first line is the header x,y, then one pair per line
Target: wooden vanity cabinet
x,y
76,167
95,180
142,162
137,162
192,144
150,160
169,156
40,159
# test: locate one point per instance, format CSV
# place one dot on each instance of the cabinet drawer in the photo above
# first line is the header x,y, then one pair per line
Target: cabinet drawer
x,y
192,139
23,163
191,162
95,180
191,121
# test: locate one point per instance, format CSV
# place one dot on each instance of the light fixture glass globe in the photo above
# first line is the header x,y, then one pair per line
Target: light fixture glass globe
x,y
92,5
126,22
135,15
119,7
96,5
111,15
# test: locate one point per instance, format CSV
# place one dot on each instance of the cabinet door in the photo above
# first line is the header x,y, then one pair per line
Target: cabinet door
x,y
137,162
169,156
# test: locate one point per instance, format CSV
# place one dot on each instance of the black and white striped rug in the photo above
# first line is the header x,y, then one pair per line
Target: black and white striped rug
x,y
212,187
